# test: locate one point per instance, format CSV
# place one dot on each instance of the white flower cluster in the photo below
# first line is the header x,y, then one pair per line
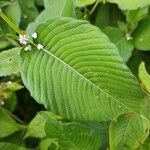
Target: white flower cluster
x,y
24,38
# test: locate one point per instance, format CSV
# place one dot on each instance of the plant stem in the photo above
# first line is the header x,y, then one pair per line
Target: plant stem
x,y
9,22
94,7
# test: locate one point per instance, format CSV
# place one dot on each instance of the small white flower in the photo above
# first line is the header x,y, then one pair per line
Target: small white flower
x,y
39,46
28,48
2,103
34,35
23,39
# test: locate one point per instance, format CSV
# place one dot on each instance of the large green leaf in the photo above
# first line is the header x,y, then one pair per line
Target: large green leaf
x,y
72,136
9,62
128,132
79,74
53,9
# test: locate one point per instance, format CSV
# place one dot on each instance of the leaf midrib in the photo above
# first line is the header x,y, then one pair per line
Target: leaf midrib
x,y
86,79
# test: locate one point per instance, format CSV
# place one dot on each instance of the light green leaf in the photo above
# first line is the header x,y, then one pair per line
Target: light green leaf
x,y
9,62
119,39
37,125
130,4
142,36
82,3
72,135
144,76
128,132
79,74
53,9
10,146
7,125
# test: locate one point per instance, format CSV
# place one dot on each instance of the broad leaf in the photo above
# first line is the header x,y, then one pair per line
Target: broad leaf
x,y
72,135
79,74
128,132
53,9
9,62
142,36
7,124
119,39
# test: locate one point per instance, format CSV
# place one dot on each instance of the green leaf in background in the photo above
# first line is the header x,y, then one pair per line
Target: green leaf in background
x,y
7,125
128,132
144,76
53,9
142,35
72,135
107,15
130,4
134,16
79,75
12,11
29,12
4,43
11,146
37,125
117,37
82,3
9,62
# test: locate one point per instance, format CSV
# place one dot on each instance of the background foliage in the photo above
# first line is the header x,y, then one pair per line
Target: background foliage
x,y
88,88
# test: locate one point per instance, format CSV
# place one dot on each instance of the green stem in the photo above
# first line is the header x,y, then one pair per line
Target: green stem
x,y
12,25
94,7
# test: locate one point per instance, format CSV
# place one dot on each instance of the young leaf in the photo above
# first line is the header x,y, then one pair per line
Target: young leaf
x,y
53,9
72,135
37,125
128,132
9,62
79,73
7,124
